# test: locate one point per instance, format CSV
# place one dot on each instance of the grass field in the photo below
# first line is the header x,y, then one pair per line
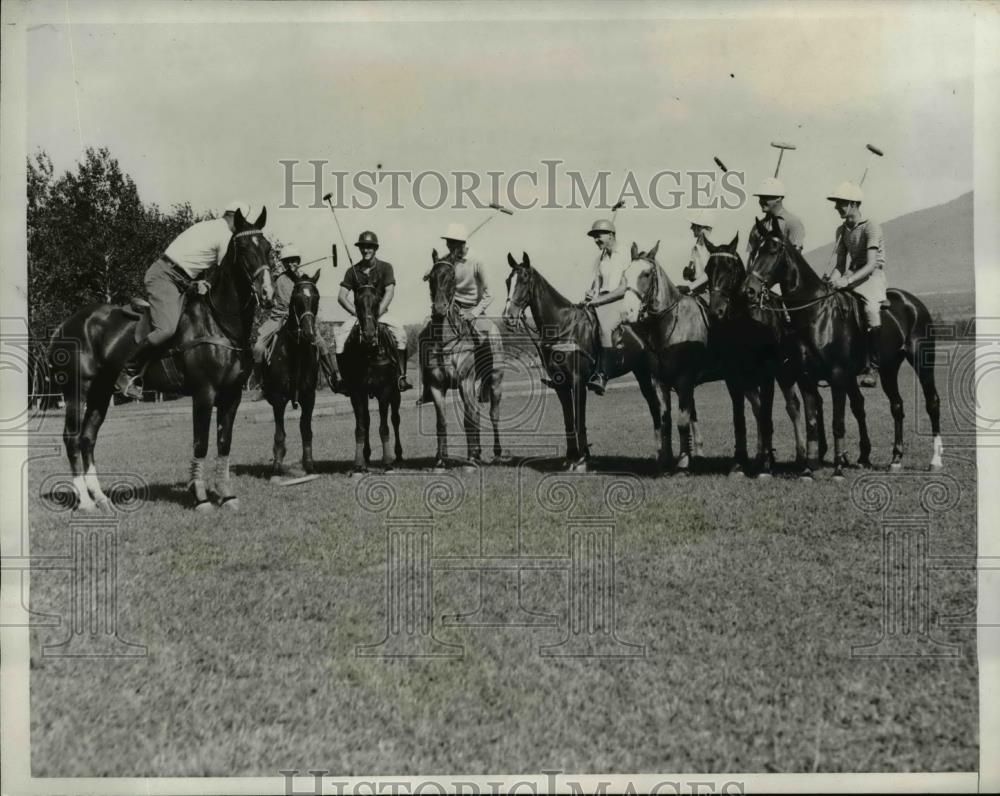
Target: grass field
x,y
747,596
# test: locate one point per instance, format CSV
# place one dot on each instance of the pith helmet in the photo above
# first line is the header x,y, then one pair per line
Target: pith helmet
x,y
289,252
367,239
700,218
601,225
456,232
771,186
847,191
238,204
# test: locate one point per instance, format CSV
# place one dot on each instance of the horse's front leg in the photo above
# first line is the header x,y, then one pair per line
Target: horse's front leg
x,y
653,403
226,404
201,409
438,395
792,408
565,395
765,427
740,455
811,399
278,450
496,393
307,400
394,407
580,407
685,399
839,428
470,417
359,402
857,400
383,430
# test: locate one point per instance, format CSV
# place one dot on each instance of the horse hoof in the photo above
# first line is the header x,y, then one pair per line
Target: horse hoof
x,y
231,503
895,467
104,504
737,471
204,506
276,479
680,473
838,477
88,508
806,477
388,467
763,475
936,468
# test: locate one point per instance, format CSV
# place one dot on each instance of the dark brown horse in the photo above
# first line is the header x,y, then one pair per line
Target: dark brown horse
x,y
292,371
675,329
567,342
208,358
453,358
830,345
754,350
368,367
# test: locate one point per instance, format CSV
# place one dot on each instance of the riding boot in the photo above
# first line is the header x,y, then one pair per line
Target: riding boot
x,y
404,383
328,363
132,370
258,377
599,381
869,376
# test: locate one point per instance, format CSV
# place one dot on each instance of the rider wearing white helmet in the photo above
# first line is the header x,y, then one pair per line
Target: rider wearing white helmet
x,y
284,277
198,248
860,266
770,195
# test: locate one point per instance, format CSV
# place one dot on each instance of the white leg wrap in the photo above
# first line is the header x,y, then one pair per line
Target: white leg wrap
x,y
197,469
938,451
82,494
93,484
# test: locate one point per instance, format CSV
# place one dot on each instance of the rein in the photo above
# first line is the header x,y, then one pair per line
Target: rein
x,y
251,279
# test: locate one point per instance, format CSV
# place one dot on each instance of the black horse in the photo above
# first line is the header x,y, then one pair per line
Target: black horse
x,y
830,344
292,371
754,348
369,370
568,342
208,358
452,357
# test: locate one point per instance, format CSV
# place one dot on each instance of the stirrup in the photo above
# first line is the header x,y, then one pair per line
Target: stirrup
x,y
131,389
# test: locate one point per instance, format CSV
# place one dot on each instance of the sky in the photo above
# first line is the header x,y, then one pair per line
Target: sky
x,y
204,113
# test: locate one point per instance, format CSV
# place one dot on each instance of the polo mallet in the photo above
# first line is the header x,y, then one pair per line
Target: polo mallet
x,y
342,238
493,206
614,210
874,152
781,146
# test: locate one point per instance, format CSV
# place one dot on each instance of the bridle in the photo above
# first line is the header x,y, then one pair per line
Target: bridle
x,y
764,289
252,278
299,316
449,313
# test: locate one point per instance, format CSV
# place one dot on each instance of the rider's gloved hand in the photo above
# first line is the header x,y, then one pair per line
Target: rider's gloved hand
x,y
684,289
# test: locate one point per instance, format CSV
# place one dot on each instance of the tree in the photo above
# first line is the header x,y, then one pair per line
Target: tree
x,y
90,237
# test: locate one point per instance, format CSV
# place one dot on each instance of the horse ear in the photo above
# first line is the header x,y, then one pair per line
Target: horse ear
x,y
261,219
511,261
635,251
315,276
775,228
239,222
524,259
434,257
711,247
735,242
652,252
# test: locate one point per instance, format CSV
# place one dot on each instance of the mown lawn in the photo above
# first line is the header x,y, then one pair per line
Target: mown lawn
x,y
748,596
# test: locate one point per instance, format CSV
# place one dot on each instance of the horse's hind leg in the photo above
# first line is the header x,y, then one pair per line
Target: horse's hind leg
x,y
653,402
495,396
685,397
97,410
923,362
857,400
278,449
72,430
359,401
889,377
569,424
226,405
307,401
470,416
